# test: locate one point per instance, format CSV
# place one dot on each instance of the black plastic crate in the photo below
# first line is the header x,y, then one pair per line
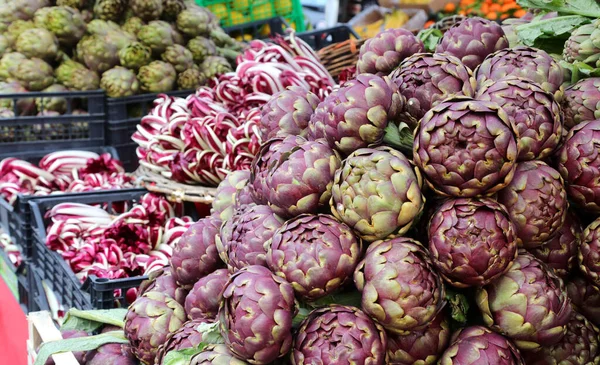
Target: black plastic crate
x,y
49,266
23,132
23,280
15,219
258,29
322,38
123,115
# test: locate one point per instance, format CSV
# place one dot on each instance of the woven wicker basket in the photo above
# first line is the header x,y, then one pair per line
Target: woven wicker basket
x,y
174,191
340,56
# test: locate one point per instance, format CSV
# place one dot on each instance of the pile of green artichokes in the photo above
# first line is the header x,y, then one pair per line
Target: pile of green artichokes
x,y
476,243
123,47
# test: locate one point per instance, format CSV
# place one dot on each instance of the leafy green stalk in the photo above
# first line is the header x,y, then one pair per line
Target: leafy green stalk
x,y
587,8
92,320
78,344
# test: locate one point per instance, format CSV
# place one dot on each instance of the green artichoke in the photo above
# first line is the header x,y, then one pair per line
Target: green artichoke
x,y
579,346
529,63
135,55
420,347
191,79
76,76
399,287
147,9
381,203
425,79
195,255
463,254
102,27
288,113
201,48
536,200
473,39
222,206
158,35
4,45
76,4
560,253
466,148
25,106
243,237
119,82
24,9
582,102
214,66
534,112
316,267
195,21
383,53
216,355
33,74
157,77
584,45
133,25
109,9
356,115
178,56
65,23
149,321
578,162
16,28
9,62
120,39
477,345
528,304
256,315
57,104
186,337
97,53
589,253
585,297
172,8
339,335
163,281
205,297
37,43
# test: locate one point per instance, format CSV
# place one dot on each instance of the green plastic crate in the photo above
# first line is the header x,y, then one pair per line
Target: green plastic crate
x,y
237,12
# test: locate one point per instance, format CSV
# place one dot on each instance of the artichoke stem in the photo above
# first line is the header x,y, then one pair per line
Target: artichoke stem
x,y
399,137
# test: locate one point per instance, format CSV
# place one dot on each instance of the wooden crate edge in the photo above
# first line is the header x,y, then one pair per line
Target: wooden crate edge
x,y
41,330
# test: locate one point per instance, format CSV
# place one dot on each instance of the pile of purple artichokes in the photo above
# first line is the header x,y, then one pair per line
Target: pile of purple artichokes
x,y
479,244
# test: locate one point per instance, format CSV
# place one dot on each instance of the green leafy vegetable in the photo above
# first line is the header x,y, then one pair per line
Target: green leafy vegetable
x,y
91,320
78,344
549,34
587,8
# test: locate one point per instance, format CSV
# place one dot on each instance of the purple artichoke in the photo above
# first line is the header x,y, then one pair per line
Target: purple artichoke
x,y
585,297
472,241
536,200
297,177
560,253
243,198
288,113
579,346
356,115
425,79
581,102
339,335
195,254
528,304
314,253
384,201
112,353
226,193
473,39
256,315
205,297
243,236
399,287
420,347
466,148
477,345
383,53
216,355
270,152
79,355
589,252
185,337
149,321
163,281
529,63
533,111
579,165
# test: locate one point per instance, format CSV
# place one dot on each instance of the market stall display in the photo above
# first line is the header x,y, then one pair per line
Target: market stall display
x,y
438,205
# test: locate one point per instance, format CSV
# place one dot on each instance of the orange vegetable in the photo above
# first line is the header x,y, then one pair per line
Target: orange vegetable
x,y
519,13
495,7
428,24
450,7
492,16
